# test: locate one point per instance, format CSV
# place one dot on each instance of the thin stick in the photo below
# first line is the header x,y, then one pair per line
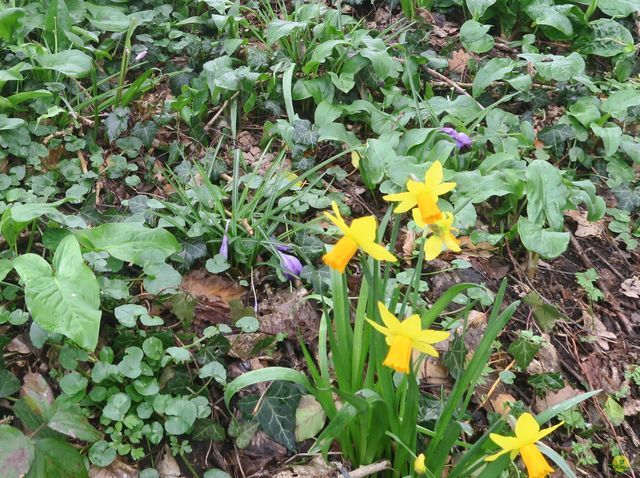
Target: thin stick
x,y
449,81
220,110
370,469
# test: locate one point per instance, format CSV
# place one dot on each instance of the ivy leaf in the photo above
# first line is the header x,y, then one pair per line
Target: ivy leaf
x,y
610,38
206,429
523,351
145,132
544,382
628,197
454,358
64,298
16,452
276,411
117,122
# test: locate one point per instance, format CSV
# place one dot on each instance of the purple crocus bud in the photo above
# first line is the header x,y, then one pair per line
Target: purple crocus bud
x,y
141,55
224,247
291,265
279,246
462,139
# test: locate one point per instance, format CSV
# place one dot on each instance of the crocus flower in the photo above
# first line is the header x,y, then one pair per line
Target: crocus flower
x,y
224,246
441,236
141,55
291,265
424,195
403,337
527,434
419,465
360,235
462,139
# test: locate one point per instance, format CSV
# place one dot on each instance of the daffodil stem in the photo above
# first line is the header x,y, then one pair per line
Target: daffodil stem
x,y
414,290
431,433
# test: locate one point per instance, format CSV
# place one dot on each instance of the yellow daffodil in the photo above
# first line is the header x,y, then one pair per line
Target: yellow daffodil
x,y
360,235
424,195
403,337
441,236
419,465
527,434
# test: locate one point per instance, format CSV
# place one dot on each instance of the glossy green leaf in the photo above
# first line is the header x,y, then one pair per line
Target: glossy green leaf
x,y
546,242
73,63
16,452
54,457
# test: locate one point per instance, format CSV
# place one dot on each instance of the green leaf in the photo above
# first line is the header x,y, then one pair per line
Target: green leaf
x,y
16,452
216,473
130,364
556,67
66,298
161,278
556,137
628,197
56,23
73,383
182,414
494,70
117,407
310,418
130,242
545,314
102,453
73,63
278,29
474,37
37,394
610,38
619,8
547,243
614,411
9,384
264,375
206,429
619,101
108,19
57,458
276,411
153,348
10,123
546,194
116,123
545,12
523,351
214,369
71,422
145,132
11,20
478,7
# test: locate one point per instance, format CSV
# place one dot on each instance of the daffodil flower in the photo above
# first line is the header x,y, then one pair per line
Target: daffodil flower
x,y
424,195
403,337
419,464
441,236
527,434
360,235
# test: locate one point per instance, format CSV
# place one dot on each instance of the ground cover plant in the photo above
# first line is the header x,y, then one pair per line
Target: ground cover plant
x,y
319,239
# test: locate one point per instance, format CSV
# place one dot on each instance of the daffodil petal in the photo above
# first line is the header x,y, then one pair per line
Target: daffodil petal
x,y
432,336
543,433
433,176
417,217
506,443
390,320
411,326
495,456
432,248
443,188
363,229
378,252
425,348
415,187
379,328
451,242
527,428
338,220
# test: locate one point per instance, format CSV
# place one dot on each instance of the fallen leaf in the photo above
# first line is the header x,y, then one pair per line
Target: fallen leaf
x,y
631,407
553,398
408,245
310,418
631,287
501,403
168,467
117,469
547,359
597,328
432,373
458,61
288,312
18,345
316,468
585,227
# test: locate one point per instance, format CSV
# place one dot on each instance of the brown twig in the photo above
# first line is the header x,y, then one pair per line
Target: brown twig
x,y
370,469
449,81
221,110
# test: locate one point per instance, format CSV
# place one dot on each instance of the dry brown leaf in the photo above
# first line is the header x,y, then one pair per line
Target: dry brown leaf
x,y
288,312
501,403
585,227
117,469
168,467
316,468
553,398
408,245
202,285
631,287
18,345
631,407
597,328
458,61
432,373
547,359
476,324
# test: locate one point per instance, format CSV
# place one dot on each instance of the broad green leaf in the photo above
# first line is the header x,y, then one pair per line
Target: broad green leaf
x,y
614,411
182,414
161,278
585,110
494,70
145,132
275,411
54,457
478,7
215,370
547,243
546,12
10,123
611,135
556,67
383,64
73,63
619,8
56,23
71,422
474,37
546,194
16,452
310,418
610,38
109,19
618,102
278,29
117,407
130,242
9,384
10,22
66,298
73,383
